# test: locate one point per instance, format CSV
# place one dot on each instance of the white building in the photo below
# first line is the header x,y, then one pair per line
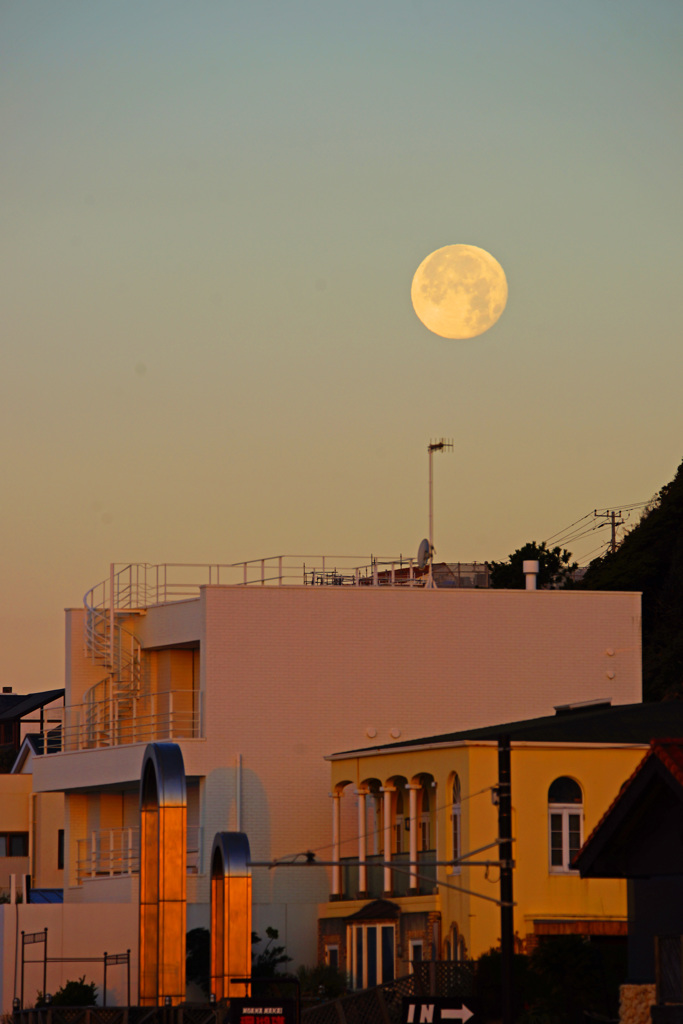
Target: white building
x,y
260,670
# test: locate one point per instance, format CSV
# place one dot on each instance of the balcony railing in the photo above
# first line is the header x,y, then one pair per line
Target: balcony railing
x,y
115,721
112,852
400,875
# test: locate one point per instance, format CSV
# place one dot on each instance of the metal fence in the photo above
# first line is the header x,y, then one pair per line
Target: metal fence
x,y
384,1004
188,1014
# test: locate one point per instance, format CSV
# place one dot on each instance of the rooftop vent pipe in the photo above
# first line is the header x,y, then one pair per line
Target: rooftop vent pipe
x,y
530,569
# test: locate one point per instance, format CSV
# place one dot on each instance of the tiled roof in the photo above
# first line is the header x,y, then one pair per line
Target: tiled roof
x,y
669,752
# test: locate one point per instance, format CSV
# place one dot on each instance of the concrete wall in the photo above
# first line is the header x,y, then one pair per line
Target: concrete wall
x,y
290,675
73,931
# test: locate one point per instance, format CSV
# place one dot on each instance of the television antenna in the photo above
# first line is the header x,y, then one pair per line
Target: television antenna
x,y
443,444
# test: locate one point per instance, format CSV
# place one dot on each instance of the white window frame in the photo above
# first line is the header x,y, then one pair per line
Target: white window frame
x,y
564,811
351,952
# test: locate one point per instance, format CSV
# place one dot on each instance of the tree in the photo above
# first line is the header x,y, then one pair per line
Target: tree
x,y
650,559
575,977
265,963
555,567
198,958
73,993
322,981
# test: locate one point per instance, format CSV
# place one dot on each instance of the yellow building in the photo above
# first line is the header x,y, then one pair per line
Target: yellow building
x,y
31,828
408,817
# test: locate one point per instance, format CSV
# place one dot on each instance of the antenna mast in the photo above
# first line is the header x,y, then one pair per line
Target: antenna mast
x,y
442,444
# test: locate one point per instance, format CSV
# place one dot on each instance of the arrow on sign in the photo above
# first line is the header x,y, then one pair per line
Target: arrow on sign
x,y
419,1012
463,1014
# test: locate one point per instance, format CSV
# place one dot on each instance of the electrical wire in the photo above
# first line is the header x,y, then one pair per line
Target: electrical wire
x,y
375,833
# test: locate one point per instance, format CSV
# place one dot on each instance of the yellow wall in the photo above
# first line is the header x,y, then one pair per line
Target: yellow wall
x,y
48,819
539,894
41,816
15,794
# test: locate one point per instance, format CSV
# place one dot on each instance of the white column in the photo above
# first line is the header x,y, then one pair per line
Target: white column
x,y
413,791
387,790
362,869
336,844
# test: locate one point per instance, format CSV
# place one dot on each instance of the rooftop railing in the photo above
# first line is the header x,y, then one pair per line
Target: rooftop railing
x,y
139,585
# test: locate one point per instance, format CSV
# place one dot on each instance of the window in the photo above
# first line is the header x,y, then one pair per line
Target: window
x,y
415,950
332,956
60,849
13,844
565,823
455,822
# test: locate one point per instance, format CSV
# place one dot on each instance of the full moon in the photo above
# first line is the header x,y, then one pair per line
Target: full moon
x,y
459,291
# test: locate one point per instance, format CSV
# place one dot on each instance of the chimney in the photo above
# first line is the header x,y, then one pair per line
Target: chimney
x,y
530,569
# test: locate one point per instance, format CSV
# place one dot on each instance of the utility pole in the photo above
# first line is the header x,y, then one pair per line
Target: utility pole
x,y
507,928
609,514
434,446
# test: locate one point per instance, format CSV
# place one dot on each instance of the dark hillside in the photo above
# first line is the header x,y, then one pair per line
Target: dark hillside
x,y
650,559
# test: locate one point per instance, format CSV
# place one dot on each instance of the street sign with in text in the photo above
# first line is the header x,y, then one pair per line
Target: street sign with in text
x,y
429,1010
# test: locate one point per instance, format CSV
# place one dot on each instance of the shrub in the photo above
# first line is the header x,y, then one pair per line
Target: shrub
x,y
73,993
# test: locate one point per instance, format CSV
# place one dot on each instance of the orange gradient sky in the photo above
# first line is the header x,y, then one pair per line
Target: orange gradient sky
x,y
212,214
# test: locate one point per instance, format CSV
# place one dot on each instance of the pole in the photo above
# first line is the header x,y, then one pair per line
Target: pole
x,y
507,935
431,510
433,446
112,616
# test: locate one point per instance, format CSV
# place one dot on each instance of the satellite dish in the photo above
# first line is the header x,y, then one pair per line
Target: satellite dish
x,y
424,554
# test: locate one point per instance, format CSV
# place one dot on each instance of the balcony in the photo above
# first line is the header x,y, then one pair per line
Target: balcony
x,y
112,852
115,721
400,875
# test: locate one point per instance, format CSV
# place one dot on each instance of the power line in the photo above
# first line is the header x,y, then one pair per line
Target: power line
x,y
575,532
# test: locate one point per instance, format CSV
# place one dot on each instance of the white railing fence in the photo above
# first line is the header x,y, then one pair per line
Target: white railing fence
x,y
112,852
138,585
115,720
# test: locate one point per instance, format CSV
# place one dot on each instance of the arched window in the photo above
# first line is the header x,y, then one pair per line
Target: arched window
x,y
373,816
426,836
456,834
565,823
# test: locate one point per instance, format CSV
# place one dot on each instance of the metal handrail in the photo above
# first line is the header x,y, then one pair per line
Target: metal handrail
x,y
133,587
117,719
137,585
112,852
